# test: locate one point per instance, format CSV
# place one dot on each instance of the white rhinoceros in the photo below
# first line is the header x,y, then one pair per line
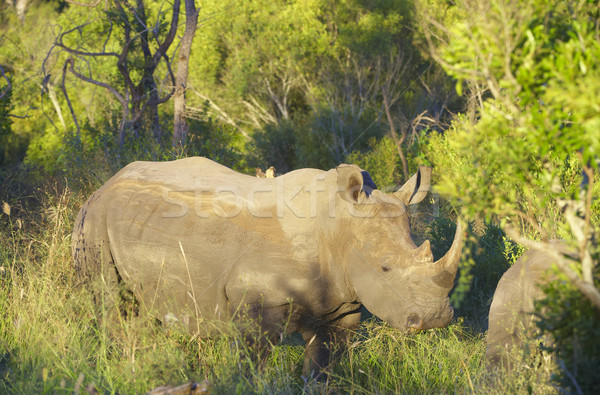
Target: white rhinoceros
x,y
511,322
203,244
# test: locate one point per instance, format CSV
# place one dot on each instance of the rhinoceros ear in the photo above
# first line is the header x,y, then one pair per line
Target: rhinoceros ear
x,y
416,188
350,182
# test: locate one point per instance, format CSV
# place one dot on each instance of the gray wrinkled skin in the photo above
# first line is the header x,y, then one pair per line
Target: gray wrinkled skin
x,y
511,319
199,243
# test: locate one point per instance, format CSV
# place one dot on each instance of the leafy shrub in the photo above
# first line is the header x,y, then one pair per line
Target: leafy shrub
x,y
276,145
321,140
94,154
381,161
572,321
214,140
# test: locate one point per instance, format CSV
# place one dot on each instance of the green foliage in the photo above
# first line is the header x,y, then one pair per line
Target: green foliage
x,y
311,70
288,146
23,47
523,149
490,166
214,140
304,78
277,145
53,337
381,161
572,321
487,254
95,154
252,46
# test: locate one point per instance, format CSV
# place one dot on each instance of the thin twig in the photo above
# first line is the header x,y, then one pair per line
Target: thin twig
x,y
397,141
112,90
64,90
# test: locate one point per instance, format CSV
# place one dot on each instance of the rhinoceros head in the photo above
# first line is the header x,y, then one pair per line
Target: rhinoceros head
x,y
395,280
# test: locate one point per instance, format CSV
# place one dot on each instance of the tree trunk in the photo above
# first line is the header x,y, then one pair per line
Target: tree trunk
x,y
180,127
54,100
21,8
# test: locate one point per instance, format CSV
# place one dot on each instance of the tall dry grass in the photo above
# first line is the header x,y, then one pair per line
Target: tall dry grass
x,y
55,339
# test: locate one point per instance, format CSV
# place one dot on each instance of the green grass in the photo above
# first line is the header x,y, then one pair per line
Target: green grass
x,y
54,339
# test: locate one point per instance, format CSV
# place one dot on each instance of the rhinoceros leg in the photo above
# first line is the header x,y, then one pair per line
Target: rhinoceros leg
x,y
107,286
96,270
316,354
322,340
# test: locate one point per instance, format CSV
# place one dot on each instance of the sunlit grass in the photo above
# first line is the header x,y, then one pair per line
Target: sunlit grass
x,y
54,339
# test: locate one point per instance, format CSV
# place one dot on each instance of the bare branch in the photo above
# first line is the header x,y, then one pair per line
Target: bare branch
x,y
164,99
122,62
397,141
108,36
258,112
112,90
162,49
64,89
171,75
59,43
221,113
19,116
52,95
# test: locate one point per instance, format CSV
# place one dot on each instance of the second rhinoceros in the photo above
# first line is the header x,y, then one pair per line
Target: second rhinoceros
x,y
202,244
511,322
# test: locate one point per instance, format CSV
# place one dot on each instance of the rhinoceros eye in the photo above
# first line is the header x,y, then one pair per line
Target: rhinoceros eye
x,y
385,268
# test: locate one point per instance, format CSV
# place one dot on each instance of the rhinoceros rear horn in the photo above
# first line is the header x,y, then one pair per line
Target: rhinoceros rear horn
x,y
450,261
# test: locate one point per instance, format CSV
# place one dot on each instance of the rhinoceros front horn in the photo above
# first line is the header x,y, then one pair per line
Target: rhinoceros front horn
x,y
450,261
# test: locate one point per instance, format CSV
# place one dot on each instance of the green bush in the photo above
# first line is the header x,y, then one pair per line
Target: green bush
x,y
573,323
532,72
94,154
276,145
381,161
214,140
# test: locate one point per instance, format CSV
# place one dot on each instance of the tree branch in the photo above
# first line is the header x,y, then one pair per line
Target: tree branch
x,y
397,141
122,61
64,90
112,90
163,48
59,43
220,112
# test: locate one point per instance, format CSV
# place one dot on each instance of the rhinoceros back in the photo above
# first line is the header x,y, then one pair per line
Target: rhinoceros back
x,y
511,317
174,233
